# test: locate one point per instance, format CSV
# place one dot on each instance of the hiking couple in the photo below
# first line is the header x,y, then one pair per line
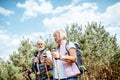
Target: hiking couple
x,y
64,67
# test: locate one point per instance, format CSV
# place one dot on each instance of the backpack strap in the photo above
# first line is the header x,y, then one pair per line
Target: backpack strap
x,y
66,47
82,67
37,57
41,52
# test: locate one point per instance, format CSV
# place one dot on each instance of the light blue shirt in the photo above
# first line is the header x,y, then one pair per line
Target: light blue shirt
x,y
58,64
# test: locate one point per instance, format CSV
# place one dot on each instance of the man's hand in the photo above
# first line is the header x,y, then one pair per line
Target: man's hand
x,y
27,72
46,60
36,60
43,58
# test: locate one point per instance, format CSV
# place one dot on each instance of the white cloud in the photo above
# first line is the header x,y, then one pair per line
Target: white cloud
x,y
10,43
33,8
15,42
38,34
61,9
61,16
87,12
6,44
112,16
113,31
3,37
2,31
6,12
81,14
76,14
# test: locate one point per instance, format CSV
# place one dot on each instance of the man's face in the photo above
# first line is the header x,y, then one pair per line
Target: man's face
x,y
40,45
56,37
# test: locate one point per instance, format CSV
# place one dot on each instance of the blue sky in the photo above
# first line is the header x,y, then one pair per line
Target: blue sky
x,y
34,18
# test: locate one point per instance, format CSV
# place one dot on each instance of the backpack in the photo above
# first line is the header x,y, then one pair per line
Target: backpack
x,y
79,63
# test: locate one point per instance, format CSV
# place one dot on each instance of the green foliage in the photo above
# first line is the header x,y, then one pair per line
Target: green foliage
x,y
50,44
115,63
24,55
8,71
20,60
101,54
74,33
97,46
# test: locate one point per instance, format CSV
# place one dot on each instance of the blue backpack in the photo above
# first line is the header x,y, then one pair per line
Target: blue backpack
x,y
79,63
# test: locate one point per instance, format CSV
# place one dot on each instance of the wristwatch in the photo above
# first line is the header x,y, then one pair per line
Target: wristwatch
x,y
58,58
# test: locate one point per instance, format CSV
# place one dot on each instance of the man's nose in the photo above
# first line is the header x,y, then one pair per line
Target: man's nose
x,y
40,46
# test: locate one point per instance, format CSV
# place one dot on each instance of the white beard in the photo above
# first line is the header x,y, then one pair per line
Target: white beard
x,y
40,49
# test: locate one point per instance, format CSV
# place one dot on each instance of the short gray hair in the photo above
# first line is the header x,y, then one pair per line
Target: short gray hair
x,y
41,41
62,34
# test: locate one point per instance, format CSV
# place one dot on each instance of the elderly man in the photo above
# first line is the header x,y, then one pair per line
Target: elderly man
x,y
41,59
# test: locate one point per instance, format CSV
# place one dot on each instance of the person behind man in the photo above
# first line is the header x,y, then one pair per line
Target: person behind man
x,y
41,57
64,64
